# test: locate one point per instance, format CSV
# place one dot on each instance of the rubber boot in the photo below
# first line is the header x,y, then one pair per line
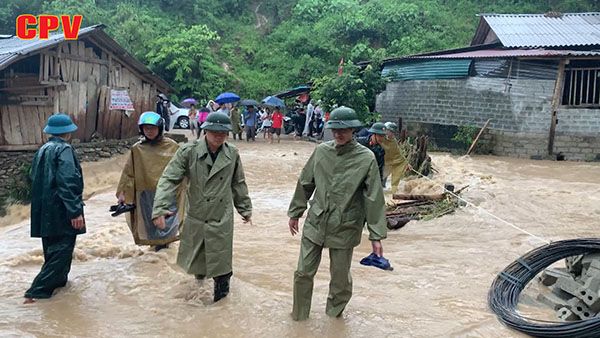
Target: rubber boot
x,y
221,286
160,247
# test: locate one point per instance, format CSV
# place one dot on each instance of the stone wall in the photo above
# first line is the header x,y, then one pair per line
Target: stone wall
x,y
12,162
519,111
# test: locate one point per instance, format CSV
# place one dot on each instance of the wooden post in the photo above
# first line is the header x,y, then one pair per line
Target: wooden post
x,y
556,98
399,127
477,138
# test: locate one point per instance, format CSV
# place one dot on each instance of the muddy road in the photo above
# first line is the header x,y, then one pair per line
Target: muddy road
x,y
443,267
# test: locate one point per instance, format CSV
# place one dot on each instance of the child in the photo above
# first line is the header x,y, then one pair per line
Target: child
x,y
56,206
277,119
192,117
145,164
266,124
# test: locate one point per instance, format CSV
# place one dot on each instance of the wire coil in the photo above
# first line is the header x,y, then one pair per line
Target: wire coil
x,y
504,293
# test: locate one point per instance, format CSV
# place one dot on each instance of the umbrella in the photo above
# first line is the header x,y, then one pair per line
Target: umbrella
x,y
249,102
227,98
189,101
273,101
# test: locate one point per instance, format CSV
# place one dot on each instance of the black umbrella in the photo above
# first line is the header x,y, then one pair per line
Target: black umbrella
x,y
249,102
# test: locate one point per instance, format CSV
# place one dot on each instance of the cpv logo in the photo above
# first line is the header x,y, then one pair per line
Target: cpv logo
x,y
29,26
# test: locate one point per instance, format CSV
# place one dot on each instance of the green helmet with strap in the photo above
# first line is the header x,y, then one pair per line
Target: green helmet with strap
x,y
342,118
217,122
377,128
391,126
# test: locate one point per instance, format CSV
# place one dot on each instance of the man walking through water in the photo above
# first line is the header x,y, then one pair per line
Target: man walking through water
x,y
216,178
56,206
342,177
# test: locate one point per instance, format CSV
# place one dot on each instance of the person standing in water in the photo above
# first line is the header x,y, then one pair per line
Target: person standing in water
x,y
56,206
341,179
145,164
217,183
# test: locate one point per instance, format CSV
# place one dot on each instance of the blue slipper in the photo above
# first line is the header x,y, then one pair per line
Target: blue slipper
x,y
368,261
376,261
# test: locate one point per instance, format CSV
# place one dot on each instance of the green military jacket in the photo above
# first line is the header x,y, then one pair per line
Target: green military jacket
x,y
56,190
346,192
206,239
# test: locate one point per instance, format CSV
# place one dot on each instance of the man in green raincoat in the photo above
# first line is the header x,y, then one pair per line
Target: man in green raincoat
x,y
342,177
56,206
216,178
396,164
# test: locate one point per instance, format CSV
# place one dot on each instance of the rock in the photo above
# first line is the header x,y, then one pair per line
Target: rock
x,y
104,154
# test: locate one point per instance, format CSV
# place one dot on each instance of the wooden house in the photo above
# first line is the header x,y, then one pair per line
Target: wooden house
x,y
77,77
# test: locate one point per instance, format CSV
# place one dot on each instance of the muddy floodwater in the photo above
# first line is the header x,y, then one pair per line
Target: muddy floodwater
x,y
443,268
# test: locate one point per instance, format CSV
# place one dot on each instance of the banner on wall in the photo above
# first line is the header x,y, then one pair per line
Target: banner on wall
x,y
119,99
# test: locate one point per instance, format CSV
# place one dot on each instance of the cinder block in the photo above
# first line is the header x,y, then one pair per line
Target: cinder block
x,y
553,301
574,265
580,310
589,297
587,260
549,276
566,315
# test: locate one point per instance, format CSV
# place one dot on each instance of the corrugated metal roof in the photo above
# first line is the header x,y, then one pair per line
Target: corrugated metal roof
x,y
13,49
17,46
427,69
506,53
519,69
539,30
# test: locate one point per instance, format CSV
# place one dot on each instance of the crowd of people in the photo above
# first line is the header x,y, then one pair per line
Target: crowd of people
x,y
304,119
250,119
165,185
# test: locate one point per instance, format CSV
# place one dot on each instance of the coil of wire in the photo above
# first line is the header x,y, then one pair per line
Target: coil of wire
x,y
504,293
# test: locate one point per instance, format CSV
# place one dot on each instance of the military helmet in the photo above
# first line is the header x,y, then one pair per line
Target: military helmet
x,y
391,126
59,124
342,118
377,128
217,122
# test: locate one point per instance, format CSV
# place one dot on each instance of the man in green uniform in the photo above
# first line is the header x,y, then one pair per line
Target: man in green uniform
x,y
373,142
214,170
343,180
56,206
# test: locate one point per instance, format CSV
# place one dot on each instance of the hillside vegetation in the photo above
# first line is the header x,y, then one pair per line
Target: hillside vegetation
x,y
257,48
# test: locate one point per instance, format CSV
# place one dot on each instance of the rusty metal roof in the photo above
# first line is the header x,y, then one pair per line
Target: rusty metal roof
x,y
13,49
506,53
541,30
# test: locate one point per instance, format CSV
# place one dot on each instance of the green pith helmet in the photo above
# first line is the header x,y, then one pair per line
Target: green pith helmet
x,y
217,122
377,128
342,118
391,126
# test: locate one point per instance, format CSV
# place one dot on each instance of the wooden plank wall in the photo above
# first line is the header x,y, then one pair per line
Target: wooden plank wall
x,y
77,81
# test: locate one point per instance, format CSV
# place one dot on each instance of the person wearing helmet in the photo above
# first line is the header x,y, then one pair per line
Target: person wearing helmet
x,y
373,141
391,129
56,206
343,180
396,163
213,169
145,163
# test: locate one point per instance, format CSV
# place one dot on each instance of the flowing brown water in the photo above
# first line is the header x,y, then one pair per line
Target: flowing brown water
x,y
443,268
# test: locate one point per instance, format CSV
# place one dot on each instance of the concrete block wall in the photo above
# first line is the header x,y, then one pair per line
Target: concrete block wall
x,y
519,110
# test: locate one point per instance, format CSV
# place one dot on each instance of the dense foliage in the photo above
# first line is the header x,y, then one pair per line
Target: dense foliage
x,y
260,47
